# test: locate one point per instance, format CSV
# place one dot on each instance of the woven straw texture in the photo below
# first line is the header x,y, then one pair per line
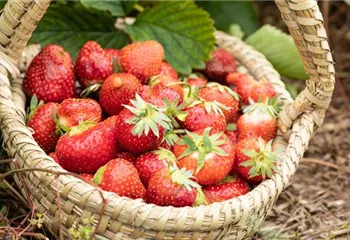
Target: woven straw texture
x,y
66,200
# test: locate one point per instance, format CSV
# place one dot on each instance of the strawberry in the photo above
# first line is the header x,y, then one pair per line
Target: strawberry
x,y
219,66
196,80
117,90
50,76
43,125
167,70
149,163
140,128
127,156
221,94
74,110
258,120
93,65
114,53
54,157
121,177
87,147
172,187
156,95
248,88
142,59
255,159
231,133
88,177
210,154
205,114
228,188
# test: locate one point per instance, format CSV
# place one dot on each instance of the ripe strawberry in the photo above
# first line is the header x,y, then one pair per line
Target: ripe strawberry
x,y
121,177
167,81
255,159
221,94
205,114
149,163
248,88
167,70
88,177
43,125
117,90
87,147
127,156
228,188
140,128
196,80
54,157
74,110
209,155
114,53
50,75
93,65
220,65
172,187
258,120
156,95
142,59
231,133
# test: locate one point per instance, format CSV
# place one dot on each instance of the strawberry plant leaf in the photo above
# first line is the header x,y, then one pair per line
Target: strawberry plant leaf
x,y
185,31
280,50
71,26
116,8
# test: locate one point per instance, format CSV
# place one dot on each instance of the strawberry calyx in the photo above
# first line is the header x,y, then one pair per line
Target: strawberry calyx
x,y
200,198
90,89
203,144
183,177
262,162
171,136
166,156
81,127
227,179
33,106
147,117
98,177
271,107
223,88
231,127
175,111
211,107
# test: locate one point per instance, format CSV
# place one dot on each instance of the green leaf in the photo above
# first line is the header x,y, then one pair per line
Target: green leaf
x,y
226,13
71,26
116,7
2,4
280,50
185,31
236,31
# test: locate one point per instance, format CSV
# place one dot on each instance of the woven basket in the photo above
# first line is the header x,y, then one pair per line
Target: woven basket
x,y
66,200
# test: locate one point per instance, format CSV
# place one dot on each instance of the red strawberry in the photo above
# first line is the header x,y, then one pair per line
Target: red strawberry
x,y
117,90
149,163
88,177
93,65
255,159
43,125
87,147
142,59
121,177
74,110
114,53
203,115
209,155
228,188
231,133
248,88
127,156
224,95
53,156
220,65
258,120
167,70
140,128
172,187
167,81
50,75
196,80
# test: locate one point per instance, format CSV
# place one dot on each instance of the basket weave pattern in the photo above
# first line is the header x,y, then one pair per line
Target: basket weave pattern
x,y
123,218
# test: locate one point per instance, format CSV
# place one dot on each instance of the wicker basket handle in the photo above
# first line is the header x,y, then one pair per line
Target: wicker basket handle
x,y
302,17
305,24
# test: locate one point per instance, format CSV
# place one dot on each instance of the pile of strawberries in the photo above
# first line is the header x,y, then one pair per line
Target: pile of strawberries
x,y
142,131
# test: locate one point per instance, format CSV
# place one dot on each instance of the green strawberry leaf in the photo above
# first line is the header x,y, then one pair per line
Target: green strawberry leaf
x,y
226,13
71,26
117,8
185,31
280,50
236,31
